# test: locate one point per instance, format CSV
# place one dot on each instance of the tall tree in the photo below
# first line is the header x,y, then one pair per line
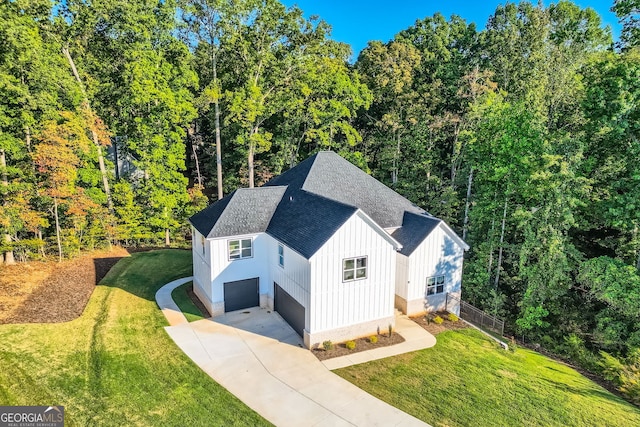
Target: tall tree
x,y
268,51
144,93
628,12
58,159
208,24
389,70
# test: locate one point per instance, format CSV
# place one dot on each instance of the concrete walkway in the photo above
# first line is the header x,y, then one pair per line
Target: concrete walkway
x,y
256,355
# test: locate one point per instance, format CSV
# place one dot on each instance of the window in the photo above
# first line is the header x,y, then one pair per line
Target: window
x,y
239,249
202,241
354,269
281,256
435,285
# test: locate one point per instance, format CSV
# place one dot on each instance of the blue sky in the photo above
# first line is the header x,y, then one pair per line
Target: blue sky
x,y
357,21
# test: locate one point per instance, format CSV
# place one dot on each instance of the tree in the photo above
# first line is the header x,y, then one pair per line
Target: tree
x,y
612,143
628,12
269,51
208,26
144,93
57,158
389,70
321,115
34,85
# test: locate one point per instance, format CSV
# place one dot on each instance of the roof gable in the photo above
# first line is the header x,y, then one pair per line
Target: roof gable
x,y
416,228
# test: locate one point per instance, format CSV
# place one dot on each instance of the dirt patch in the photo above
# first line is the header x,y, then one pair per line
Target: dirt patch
x,y
362,344
433,328
52,292
196,301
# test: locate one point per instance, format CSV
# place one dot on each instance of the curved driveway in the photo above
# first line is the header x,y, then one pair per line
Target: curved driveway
x,y
256,355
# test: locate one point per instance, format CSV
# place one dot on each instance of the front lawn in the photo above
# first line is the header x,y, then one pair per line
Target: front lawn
x,y
115,365
181,297
467,380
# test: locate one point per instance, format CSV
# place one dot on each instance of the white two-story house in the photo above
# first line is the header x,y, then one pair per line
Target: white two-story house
x,y
329,248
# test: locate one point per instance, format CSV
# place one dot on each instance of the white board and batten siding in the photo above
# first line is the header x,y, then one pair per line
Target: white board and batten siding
x,y
335,303
294,277
201,266
225,270
437,255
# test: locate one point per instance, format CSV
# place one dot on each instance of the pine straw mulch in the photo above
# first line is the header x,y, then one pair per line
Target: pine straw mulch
x,y
427,323
52,292
362,344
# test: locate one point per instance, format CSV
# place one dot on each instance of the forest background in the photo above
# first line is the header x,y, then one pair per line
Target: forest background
x,y
523,136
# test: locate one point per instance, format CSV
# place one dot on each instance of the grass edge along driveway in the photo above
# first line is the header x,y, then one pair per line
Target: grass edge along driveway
x,y
115,365
467,380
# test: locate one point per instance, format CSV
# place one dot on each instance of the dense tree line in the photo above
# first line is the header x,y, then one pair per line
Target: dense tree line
x,y
522,135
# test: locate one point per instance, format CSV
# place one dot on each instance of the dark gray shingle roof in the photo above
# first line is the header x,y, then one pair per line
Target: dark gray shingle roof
x,y
245,211
336,178
415,228
306,205
305,221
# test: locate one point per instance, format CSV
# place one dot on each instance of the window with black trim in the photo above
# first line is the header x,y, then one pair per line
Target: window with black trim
x,y
241,248
435,285
354,269
281,256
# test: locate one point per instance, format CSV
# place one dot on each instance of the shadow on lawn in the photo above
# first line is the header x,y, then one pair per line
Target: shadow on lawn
x,y
589,390
146,270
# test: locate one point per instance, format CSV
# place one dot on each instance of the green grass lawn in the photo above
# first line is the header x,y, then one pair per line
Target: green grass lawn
x,y
467,380
115,365
188,308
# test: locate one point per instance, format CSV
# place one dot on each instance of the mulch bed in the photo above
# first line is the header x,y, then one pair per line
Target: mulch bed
x,y
433,328
63,293
362,344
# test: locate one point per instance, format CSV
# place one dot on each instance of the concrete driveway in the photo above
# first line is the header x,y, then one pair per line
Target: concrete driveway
x,y
256,355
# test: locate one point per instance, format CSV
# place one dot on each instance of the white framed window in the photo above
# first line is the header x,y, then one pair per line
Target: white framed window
x,y
202,242
354,269
281,256
241,248
435,285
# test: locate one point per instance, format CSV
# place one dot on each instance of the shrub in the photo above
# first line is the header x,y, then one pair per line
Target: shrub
x,y
350,345
452,317
625,373
438,320
373,339
327,345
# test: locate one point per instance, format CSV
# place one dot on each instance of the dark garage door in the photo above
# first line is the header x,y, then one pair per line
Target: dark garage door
x,y
241,294
290,309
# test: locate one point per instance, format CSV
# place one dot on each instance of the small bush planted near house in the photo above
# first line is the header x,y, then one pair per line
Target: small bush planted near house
x,y
452,317
350,345
327,345
373,339
438,320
